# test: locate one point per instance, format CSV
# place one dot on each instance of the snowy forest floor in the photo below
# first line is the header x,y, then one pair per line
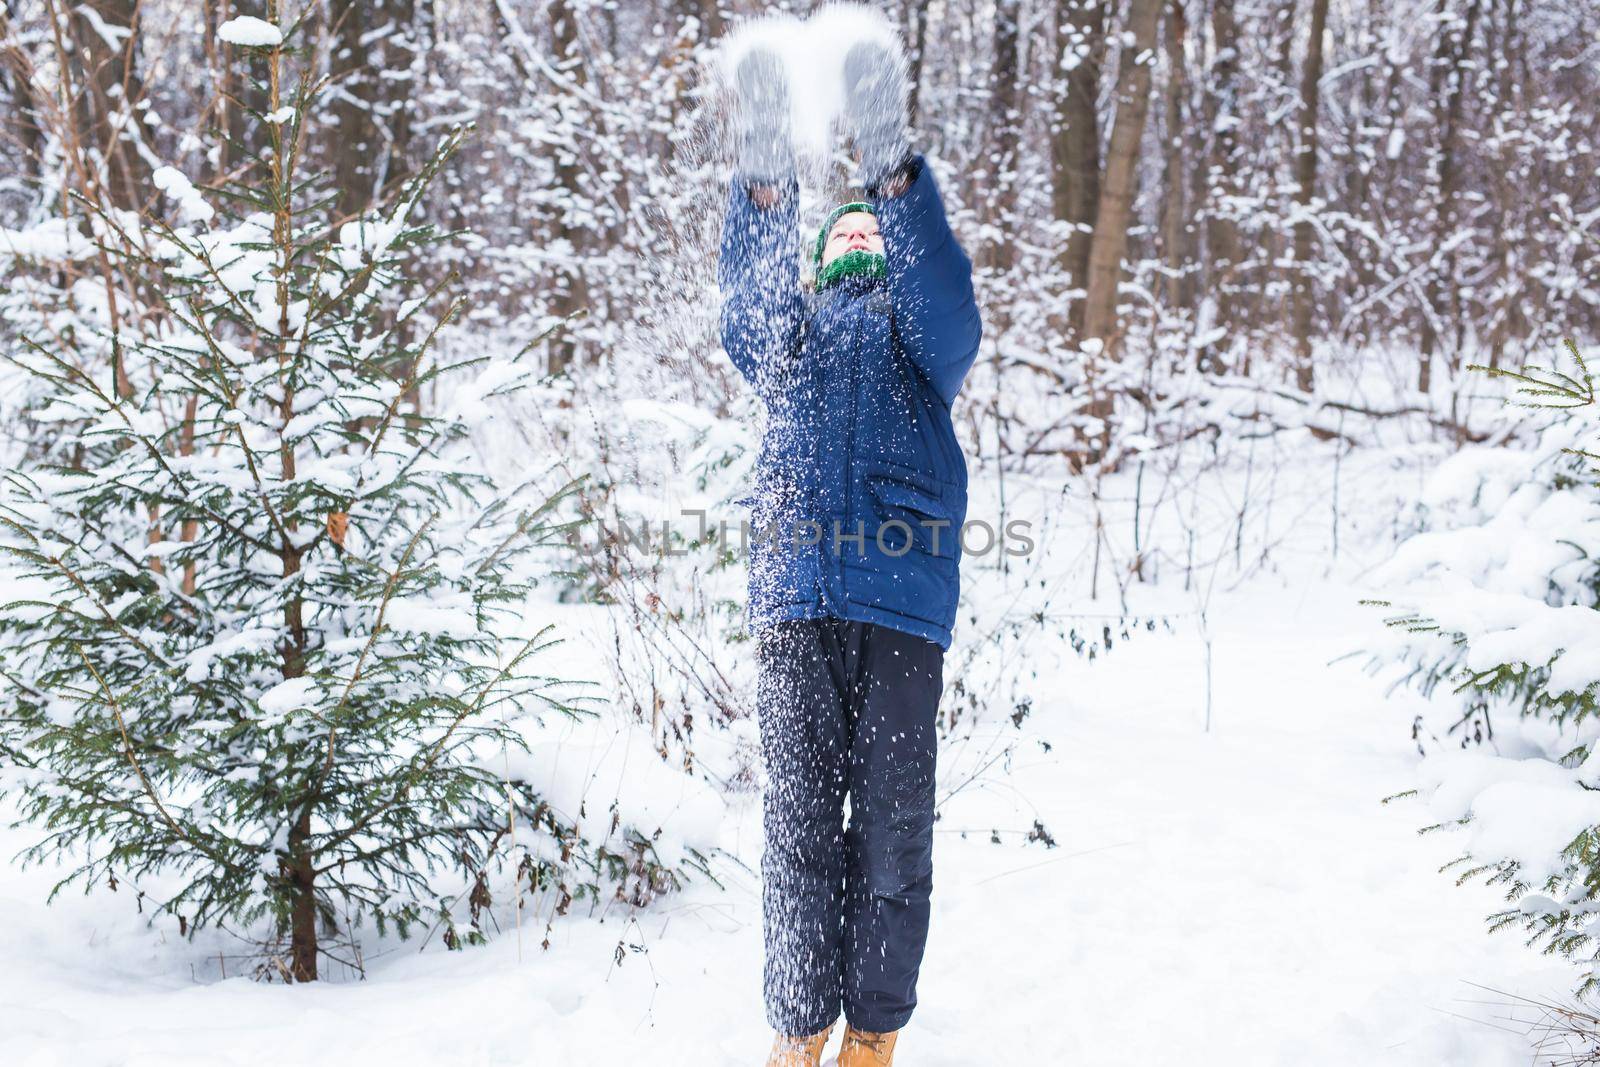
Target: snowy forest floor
x,y
1238,896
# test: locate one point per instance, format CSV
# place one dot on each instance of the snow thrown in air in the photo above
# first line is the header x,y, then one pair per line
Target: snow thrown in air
x,y
813,55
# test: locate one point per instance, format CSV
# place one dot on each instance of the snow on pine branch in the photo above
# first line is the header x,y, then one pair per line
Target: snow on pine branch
x,y
1495,620
247,31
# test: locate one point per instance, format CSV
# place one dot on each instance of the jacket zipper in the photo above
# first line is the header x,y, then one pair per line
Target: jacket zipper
x,y
850,439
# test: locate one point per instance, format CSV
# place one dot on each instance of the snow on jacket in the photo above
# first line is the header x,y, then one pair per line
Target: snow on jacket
x,y
861,486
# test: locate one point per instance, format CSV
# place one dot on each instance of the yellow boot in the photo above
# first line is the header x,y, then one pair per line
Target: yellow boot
x,y
863,1049
788,1051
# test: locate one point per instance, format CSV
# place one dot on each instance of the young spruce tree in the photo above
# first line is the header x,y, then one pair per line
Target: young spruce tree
x,y
255,639
1497,625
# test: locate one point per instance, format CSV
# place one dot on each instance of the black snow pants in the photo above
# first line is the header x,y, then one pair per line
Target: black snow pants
x,y
846,708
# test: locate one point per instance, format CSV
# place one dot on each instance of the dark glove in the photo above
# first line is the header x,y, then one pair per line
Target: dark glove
x,y
765,155
875,108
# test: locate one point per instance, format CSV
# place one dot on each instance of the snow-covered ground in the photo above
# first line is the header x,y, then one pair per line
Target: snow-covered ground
x,y
1232,897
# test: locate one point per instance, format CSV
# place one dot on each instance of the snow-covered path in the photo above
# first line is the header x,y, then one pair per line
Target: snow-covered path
x,y
1225,898
1237,897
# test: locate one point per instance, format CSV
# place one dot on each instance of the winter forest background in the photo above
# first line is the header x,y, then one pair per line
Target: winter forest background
x,y
347,356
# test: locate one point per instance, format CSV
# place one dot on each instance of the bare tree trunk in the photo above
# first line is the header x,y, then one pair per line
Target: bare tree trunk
x,y
1271,305
1175,228
223,91
1117,191
375,46
105,36
1359,178
1005,119
26,126
1511,50
917,25
1305,176
1075,141
571,294
1224,253
355,133
1429,340
238,79
1450,76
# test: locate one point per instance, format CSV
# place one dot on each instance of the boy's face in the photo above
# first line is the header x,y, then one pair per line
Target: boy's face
x,y
853,232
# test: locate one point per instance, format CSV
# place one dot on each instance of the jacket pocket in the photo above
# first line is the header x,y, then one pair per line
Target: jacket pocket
x,y
928,520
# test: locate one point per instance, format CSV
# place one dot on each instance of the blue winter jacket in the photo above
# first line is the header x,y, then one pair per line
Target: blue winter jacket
x,y
861,486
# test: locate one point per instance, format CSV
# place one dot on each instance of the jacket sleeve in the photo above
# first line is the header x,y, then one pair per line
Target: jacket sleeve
x,y
759,274
930,283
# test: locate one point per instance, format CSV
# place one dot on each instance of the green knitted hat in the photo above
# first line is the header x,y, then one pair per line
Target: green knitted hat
x,y
868,264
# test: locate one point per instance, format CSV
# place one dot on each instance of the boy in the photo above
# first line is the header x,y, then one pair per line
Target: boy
x,y
861,494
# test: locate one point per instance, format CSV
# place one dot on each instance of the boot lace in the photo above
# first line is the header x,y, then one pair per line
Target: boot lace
x,y
875,1042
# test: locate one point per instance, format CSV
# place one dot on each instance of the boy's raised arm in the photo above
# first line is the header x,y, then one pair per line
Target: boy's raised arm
x,y
930,282
759,274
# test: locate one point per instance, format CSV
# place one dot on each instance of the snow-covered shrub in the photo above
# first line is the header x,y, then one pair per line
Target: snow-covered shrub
x,y
261,622
666,553
1497,628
